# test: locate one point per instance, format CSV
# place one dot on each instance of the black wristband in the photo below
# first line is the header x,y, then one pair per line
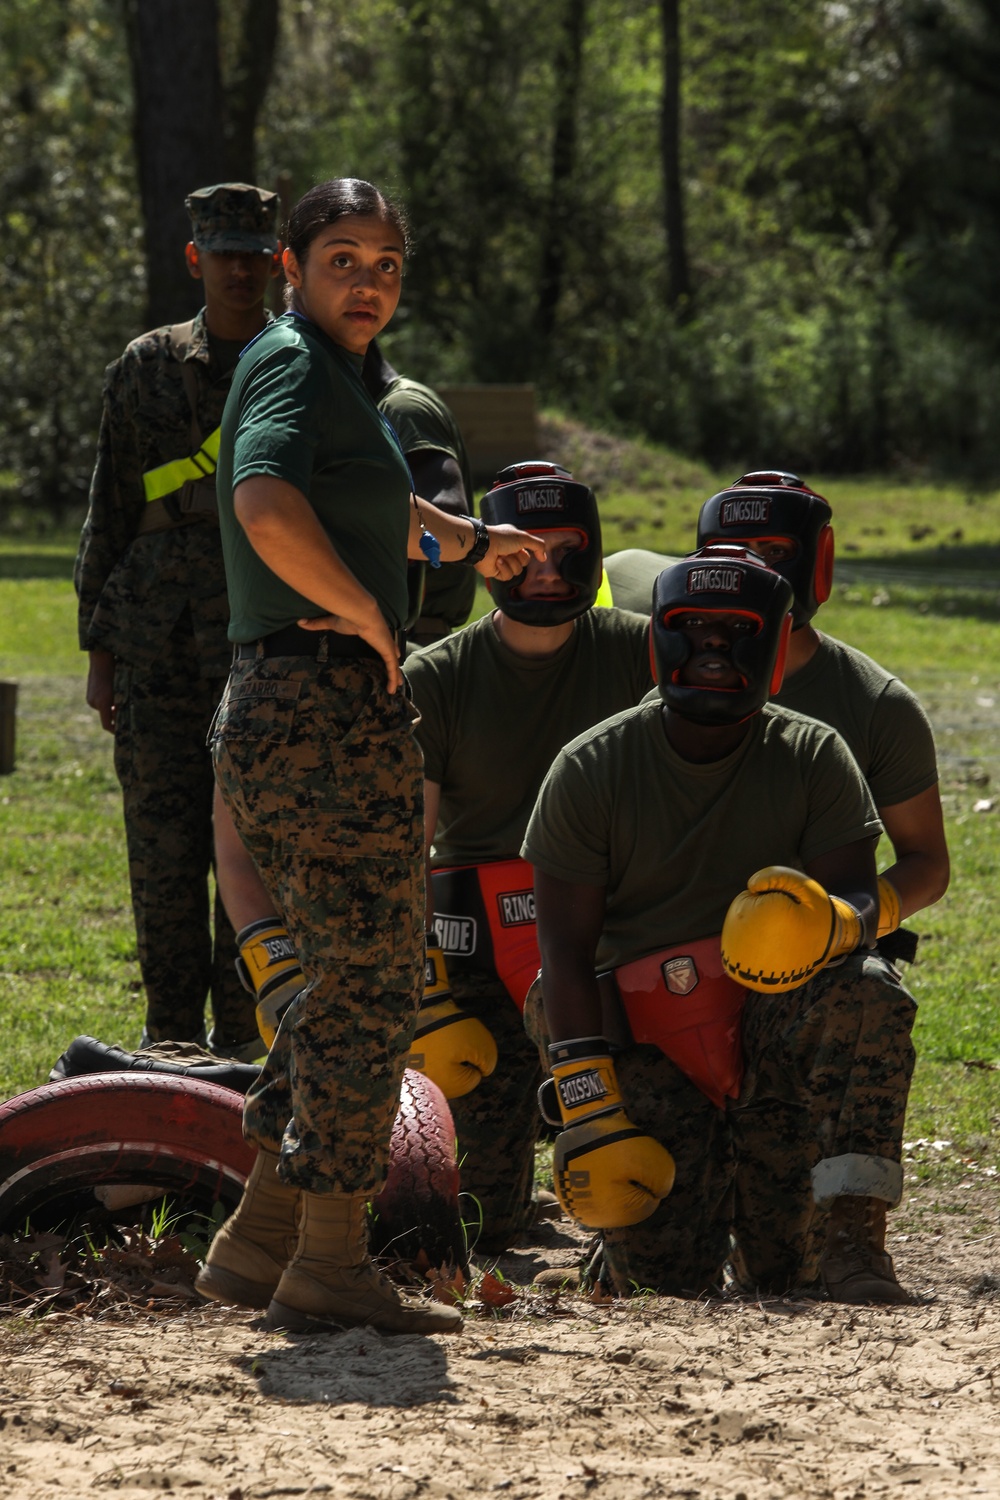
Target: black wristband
x,y
481,545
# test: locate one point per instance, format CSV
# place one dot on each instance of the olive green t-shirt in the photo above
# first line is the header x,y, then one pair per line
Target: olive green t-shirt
x,y
883,723
674,842
298,411
424,424
491,721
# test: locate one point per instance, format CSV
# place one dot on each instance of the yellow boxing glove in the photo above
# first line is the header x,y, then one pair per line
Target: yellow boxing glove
x,y
453,1048
608,1174
269,968
889,907
784,928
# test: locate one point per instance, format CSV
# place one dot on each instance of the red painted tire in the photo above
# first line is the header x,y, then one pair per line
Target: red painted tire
x,y
417,1210
60,1141
177,1132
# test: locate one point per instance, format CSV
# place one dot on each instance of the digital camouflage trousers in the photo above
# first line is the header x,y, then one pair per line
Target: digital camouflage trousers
x,y
324,780
498,1123
820,1115
163,713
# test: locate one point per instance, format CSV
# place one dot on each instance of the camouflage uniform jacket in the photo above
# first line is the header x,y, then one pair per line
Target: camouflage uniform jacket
x,y
133,589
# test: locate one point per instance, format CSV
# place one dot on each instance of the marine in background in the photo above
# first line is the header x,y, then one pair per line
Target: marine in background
x,y
153,611
441,598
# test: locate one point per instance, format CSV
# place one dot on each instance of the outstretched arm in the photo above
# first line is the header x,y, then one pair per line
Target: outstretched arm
x,y
508,552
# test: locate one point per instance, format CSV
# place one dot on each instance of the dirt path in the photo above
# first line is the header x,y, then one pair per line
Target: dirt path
x,y
558,1399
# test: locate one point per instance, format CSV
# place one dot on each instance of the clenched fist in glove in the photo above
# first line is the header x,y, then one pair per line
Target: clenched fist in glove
x,y
453,1048
269,968
784,928
607,1173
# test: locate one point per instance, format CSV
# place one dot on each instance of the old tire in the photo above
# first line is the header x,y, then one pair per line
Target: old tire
x,y
417,1210
178,1133
60,1141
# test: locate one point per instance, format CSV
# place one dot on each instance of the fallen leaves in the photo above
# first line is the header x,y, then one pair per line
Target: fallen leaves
x,y
447,1284
45,1272
494,1292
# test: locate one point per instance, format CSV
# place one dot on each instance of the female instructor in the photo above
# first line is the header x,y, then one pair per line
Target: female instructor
x,y
316,761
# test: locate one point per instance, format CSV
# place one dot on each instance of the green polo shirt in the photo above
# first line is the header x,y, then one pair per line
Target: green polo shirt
x,y
298,411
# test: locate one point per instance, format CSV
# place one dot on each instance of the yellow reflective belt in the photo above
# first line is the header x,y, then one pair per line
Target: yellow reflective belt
x,y
604,599
170,477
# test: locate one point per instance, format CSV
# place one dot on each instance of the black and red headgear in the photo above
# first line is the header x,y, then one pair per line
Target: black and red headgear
x,y
770,504
716,581
540,497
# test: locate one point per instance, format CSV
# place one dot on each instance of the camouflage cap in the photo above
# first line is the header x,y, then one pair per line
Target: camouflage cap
x,y
234,218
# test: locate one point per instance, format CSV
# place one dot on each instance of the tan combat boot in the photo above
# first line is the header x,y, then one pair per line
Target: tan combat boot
x,y
854,1266
332,1278
255,1244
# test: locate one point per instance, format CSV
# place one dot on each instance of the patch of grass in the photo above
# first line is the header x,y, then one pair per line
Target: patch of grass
x,y
650,497
67,942
958,1104
38,634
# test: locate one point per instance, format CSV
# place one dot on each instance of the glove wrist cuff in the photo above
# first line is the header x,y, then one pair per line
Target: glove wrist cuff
x,y
857,920
586,1085
436,982
436,1012
578,1049
890,907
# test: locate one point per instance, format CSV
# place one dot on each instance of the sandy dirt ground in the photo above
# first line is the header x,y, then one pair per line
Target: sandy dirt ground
x,y
554,1398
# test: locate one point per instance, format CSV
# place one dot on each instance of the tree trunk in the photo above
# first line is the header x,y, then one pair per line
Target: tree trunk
x,y
568,68
678,277
420,127
178,130
247,87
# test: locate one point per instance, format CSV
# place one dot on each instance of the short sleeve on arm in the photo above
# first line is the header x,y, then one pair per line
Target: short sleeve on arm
x,y
841,809
430,698
568,835
285,405
904,761
418,423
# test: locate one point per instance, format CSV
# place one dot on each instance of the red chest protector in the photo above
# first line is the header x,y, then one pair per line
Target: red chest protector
x,y
484,916
682,1001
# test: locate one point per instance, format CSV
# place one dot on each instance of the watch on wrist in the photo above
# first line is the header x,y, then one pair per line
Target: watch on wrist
x,y
481,545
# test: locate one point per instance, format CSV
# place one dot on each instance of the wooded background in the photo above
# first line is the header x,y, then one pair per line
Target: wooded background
x,y
759,231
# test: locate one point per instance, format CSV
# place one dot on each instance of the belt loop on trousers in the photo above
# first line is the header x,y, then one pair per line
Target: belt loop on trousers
x,y
324,649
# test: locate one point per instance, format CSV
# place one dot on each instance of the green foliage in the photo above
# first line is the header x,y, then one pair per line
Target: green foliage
x,y
841,191
71,237
954,280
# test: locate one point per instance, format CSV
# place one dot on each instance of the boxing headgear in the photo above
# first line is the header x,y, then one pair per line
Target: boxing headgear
x,y
730,581
540,497
770,504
